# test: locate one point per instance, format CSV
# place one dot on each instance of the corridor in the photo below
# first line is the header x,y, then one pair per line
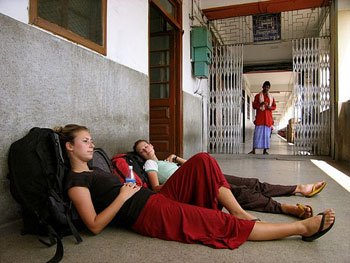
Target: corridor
x,y
120,245
278,145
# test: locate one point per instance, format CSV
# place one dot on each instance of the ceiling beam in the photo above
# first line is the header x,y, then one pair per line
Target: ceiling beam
x,y
264,7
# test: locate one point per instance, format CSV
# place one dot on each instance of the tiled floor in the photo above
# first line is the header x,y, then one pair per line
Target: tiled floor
x,y
278,145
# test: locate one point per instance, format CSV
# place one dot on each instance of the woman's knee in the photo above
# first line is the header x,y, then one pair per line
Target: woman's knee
x,y
203,156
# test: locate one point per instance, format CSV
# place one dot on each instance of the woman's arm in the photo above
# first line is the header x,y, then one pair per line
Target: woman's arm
x,y
175,159
153,180
97,222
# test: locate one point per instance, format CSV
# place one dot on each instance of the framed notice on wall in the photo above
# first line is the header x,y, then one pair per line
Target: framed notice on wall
x,y
267,27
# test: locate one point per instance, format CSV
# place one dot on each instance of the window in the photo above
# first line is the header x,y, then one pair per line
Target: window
x,y
81,21
168,6
171,9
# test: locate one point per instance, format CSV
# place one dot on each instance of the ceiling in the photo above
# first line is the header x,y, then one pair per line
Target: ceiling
x,y
231,22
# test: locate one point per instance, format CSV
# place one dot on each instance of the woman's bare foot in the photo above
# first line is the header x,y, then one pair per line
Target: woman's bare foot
x,y
312,225
309,189
298,210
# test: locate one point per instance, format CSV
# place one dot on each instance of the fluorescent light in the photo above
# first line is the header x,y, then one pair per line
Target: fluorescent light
x,y
335,174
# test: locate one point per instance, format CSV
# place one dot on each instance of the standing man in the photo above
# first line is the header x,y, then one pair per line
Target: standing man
x,y
264,104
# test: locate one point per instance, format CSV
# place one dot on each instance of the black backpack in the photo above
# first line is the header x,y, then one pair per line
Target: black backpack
x,y
36,174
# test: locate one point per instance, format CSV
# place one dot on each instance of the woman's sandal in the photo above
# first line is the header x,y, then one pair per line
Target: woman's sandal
x,y
316,190
320,232
303,211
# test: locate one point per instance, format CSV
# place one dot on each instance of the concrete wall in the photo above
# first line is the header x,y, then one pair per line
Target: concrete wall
x,y
48,81
343,34
343,137
192,123
249,121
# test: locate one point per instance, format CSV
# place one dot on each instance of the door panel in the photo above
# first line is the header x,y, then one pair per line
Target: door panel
x,y
162,85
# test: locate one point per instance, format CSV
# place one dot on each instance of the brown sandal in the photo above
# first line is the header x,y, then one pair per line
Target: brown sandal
x,y
303,211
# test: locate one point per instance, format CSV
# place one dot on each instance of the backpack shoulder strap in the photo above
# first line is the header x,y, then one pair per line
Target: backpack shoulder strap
x,y
54,239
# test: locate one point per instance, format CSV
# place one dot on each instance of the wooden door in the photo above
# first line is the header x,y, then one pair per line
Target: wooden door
x,y
165,71
162,93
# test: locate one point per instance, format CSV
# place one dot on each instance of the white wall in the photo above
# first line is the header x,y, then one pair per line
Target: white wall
x,y
127,29
189,83
127,33
17,9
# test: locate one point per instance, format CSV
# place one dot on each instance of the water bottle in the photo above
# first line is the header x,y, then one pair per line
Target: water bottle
x,y
130,177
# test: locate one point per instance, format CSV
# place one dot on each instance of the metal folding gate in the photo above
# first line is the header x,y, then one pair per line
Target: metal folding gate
x,y
311,70
224,100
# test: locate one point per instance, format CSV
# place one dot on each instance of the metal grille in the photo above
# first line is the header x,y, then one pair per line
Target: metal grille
x,y
225,94
311,70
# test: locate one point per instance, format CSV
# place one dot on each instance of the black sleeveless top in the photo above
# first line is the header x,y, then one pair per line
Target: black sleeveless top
x,y
104,188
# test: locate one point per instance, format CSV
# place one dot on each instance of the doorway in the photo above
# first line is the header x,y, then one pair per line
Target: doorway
x,y
164,85
281,90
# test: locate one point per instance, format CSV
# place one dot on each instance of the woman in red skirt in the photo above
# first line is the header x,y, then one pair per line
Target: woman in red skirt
x,y
250,193
186,211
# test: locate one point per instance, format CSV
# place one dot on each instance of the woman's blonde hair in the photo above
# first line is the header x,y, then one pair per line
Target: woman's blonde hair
x,y
68,132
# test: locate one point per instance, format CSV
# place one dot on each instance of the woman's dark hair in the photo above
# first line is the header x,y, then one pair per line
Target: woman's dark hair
x,y
68,132
266,83
137,143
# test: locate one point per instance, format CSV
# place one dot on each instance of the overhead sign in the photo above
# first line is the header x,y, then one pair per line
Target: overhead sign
x,y
267,27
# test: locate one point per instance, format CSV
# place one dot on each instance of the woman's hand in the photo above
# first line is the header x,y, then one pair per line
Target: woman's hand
x,y
157,188
171,158
128,190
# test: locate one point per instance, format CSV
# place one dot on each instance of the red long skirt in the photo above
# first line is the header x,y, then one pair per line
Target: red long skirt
x,y
186,209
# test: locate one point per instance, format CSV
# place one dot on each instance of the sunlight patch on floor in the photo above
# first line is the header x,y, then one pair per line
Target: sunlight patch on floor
x,y
279,136
335,174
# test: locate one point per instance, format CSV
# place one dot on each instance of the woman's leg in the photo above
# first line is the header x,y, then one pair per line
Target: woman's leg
x,y
266,189
248,194
251,200
171,220
271,190
227,199
307,227
198,181
253,195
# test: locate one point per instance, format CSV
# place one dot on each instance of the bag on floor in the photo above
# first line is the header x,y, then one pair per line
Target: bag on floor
x,y
101,160
121,164
36,174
